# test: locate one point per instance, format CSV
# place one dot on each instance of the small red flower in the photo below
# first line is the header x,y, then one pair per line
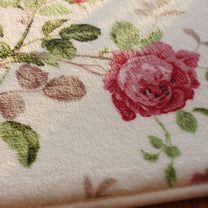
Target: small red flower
x,y
78,1
198,178
153,81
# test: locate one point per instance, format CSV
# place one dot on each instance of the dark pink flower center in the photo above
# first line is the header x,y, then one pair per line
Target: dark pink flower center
x,y
146,79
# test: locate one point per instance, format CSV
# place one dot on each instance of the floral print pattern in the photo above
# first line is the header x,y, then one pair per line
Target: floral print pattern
x,y
31,77
144,76
100,191
199,178
153,81
78,1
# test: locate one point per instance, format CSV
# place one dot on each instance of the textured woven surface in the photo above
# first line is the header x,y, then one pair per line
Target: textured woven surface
x,y
103,103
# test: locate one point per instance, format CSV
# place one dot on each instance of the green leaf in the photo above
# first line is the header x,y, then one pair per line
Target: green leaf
x,y
30,4
150,157
4,76
46,58
8,3
170,175
28,58
206,75
23,4
60,48
81,32
151,38
125,35
54,9
21,138
156,142
172,151
52,25
203,111
5,50
186,121
1,31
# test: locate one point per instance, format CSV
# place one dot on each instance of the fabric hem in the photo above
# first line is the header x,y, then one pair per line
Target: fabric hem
x,y
145,199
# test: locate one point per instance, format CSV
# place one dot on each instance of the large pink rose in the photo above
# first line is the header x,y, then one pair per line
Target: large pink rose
x,y
153,81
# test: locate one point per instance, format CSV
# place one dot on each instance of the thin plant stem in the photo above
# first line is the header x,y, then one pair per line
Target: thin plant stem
x,y
85,67
27,30
35,40
32,41
197,47
94,65
202,67
25,34
166,133
93,57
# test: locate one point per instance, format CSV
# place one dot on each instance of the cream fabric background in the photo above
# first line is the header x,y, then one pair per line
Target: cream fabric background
x,y
88,137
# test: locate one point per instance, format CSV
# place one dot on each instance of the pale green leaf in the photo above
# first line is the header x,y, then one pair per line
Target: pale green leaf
x,y
125,35
5,50
151,38
54,10
9,3
23,4
52,25
4,75
30,4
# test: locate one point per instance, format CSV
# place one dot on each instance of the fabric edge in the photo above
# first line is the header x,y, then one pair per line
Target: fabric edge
x,y
145,199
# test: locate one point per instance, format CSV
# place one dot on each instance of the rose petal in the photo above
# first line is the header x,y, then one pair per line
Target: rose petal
x,y
118,59
177,101
190,59
161,50
126,113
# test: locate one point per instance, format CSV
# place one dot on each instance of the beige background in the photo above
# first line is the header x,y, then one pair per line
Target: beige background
x,y
88,137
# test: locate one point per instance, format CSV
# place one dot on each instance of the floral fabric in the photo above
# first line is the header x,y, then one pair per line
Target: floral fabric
x,y
102,101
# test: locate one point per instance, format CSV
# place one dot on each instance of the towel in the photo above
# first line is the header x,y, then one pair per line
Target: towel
x,y
103,103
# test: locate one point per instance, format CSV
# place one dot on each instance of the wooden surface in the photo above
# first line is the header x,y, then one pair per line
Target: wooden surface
x,y
194,203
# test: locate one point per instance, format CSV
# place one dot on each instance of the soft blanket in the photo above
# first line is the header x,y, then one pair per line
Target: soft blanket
x,y
103,103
